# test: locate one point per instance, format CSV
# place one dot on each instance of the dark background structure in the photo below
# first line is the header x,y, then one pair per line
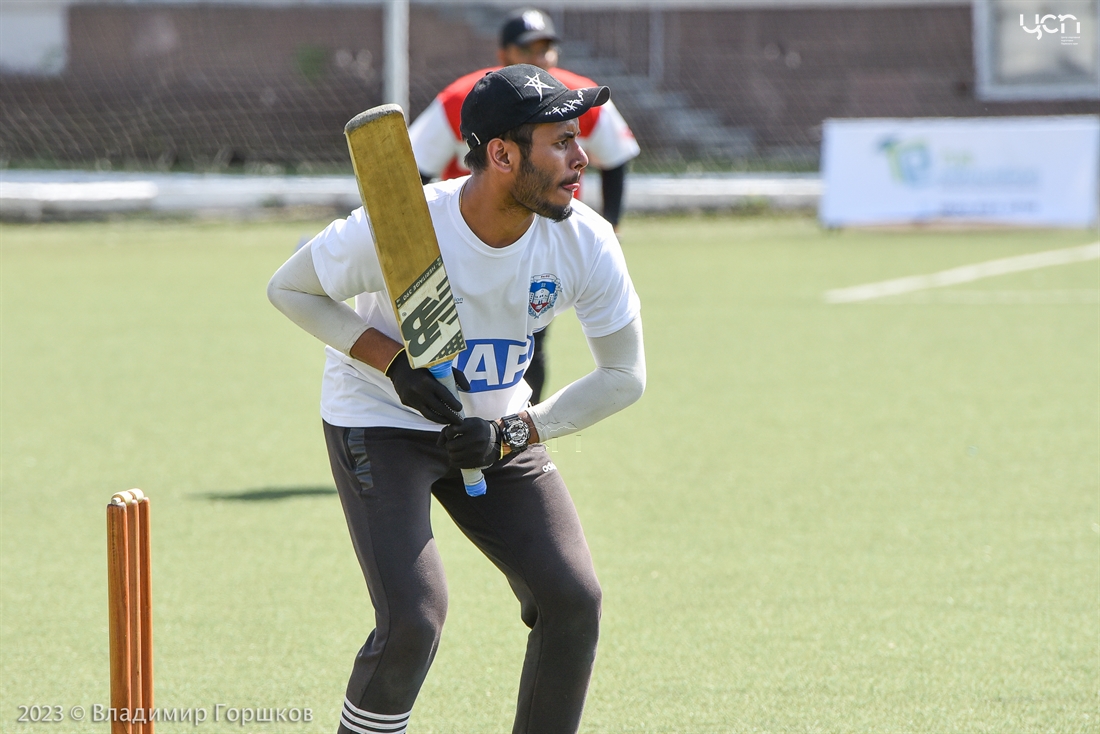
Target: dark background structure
x,y
215,87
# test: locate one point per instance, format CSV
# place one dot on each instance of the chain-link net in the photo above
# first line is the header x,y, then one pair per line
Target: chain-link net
x,y
211,86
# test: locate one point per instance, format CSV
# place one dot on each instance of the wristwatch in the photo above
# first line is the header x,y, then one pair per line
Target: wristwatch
x,y
516,433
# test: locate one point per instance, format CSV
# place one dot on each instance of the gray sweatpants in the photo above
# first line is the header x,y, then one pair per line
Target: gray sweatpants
x,y
525,524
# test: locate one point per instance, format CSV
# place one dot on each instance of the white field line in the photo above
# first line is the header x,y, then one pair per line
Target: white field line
x,y
964,274
963,297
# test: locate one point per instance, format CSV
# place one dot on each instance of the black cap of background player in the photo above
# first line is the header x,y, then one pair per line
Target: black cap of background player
x,y
505,99
527,26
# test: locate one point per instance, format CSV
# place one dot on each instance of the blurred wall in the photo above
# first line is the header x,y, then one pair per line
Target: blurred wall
x,y
779,73
221,85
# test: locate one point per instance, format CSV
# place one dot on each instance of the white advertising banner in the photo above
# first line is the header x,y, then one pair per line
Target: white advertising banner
x,y
1032,171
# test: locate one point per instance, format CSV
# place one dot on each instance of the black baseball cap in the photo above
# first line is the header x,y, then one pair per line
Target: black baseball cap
x,y
515,95
527,26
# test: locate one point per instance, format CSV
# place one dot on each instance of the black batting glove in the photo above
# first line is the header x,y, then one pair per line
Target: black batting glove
x,y
460,379
472,444
423,393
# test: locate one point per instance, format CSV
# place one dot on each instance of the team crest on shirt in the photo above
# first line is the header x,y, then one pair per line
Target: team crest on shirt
x,y
544,294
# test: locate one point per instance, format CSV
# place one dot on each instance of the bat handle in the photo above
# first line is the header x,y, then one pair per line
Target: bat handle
x,y
472,478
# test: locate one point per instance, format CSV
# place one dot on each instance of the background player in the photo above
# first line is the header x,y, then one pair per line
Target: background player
x,y
527,37
513,224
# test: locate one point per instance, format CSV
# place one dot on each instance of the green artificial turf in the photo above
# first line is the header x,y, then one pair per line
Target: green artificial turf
x,y
875,517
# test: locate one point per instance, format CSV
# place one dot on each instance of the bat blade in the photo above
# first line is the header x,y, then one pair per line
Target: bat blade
x,y
408,251
389,184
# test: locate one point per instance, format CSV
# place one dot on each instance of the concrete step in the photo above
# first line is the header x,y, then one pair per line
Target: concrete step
x,y
667,115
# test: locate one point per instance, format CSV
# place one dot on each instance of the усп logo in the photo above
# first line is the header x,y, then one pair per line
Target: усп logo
x,y
1041,25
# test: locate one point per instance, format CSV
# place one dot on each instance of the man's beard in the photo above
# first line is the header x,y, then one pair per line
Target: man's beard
x,y
530,192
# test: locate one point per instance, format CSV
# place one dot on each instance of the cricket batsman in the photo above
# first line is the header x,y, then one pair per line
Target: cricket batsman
x,y
527,37
518,250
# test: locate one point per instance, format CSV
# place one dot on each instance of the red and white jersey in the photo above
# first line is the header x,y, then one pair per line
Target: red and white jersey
x,y
439,148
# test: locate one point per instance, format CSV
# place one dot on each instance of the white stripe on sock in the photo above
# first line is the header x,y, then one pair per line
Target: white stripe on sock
x,y
377,717
366,722
361,730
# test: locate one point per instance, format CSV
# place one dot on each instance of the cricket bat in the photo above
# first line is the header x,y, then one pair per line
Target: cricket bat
x,y
404,238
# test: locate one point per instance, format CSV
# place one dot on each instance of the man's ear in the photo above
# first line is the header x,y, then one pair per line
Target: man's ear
x,y
502,155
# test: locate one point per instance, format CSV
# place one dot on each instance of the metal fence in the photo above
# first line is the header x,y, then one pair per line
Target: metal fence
x,y
252,87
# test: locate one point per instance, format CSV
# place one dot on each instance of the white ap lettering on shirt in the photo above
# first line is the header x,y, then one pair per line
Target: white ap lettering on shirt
x,y
482,366
494,364
514,367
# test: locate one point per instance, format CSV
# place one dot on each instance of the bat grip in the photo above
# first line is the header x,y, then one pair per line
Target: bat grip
x,y
472,478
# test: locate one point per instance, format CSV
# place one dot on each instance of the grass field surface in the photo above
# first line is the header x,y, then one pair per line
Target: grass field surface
x,y
870,517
